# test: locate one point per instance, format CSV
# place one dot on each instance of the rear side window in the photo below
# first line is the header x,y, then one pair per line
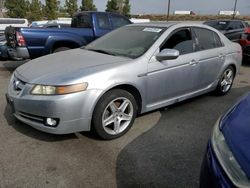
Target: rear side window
x,y
118,21
103,21
235,25
81,21
180,40
207,39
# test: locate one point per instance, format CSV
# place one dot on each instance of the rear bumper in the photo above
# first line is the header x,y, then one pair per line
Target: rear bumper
x,y
246,50
19,52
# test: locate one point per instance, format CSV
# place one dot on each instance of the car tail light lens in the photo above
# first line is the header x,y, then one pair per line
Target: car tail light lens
x,y
20,39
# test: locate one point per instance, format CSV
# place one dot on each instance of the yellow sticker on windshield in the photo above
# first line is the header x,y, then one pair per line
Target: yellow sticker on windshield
x,y
150,29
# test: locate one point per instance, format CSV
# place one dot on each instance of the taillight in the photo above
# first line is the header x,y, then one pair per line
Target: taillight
x,y
20,39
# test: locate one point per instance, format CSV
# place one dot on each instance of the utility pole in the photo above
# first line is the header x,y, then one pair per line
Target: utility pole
x,y
235,8
168,9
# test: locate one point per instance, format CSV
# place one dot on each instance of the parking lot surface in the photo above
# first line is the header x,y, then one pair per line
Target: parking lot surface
x,y
164,148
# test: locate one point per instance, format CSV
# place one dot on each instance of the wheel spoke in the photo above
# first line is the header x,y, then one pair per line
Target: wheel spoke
x,y
124,105
117,124
126,117
113,107
223,83
229,74
108,120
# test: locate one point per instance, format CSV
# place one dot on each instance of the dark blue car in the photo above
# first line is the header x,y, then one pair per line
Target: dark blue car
x,y
227,159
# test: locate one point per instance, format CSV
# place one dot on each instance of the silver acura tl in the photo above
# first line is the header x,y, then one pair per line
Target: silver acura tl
x,y
132,70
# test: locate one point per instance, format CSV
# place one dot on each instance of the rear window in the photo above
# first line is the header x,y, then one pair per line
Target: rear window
x,y
81,21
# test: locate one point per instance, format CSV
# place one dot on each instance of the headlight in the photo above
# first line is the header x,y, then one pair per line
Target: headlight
x,y
227,159
58,90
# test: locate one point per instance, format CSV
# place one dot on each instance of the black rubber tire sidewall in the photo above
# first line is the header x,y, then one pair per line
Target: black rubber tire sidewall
x,y
100,107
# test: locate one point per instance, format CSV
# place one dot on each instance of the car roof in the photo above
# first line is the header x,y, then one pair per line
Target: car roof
x,y
169,24
225,20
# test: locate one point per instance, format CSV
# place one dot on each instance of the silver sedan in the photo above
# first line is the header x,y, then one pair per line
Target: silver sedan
x,y
133,70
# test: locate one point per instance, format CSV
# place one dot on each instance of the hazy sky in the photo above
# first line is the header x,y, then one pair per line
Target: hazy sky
x,y
198,6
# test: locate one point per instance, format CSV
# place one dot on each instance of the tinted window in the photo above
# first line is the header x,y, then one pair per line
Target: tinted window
x,y
207,39
220,25
119,21
180,40
103,21
235,25
81,21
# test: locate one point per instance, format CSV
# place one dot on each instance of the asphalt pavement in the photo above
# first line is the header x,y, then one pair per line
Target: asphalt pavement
x,y
164,148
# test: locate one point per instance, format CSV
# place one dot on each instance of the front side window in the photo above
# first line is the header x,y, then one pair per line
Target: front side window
x,y
103,21
181,41
207,39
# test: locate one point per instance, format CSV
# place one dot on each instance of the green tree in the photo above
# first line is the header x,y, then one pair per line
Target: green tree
x,y
71,7
17,8
88,5
50,9
112,6
35,10
126,8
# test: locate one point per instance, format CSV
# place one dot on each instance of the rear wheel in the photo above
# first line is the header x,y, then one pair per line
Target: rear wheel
x,y
60,49
226,81
114,114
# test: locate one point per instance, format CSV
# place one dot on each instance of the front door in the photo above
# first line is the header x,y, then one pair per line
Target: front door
x,y
169,79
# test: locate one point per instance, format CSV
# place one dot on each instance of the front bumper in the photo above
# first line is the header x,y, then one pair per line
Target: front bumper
x,y
74,111
212,174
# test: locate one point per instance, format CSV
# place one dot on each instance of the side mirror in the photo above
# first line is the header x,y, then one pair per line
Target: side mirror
x,y
167,54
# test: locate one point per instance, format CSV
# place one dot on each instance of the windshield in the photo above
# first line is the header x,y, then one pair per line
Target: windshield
x,y
219,25
128,41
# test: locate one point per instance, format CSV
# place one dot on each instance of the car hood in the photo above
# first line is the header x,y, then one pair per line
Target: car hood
x,y
63,67
236,130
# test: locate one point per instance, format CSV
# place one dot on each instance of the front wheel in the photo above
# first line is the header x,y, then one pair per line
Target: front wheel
x,y
226,81
114,114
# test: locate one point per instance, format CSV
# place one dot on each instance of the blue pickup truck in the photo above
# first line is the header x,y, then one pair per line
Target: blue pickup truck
x,y
85,27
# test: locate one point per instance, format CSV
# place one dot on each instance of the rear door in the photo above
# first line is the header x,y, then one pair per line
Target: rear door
x,y
211,57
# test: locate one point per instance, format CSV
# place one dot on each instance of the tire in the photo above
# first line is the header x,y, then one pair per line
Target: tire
x,y
60,49
226,81
114,114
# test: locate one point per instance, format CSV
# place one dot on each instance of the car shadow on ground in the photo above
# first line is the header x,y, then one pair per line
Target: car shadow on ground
x,y
31,132
170,154
12,65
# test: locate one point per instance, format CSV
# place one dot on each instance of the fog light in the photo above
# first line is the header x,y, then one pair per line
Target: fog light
x,y
51,122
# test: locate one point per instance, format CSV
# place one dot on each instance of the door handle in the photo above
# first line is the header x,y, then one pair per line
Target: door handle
x,y
193,62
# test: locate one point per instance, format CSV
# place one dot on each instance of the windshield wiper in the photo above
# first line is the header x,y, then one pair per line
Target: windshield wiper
x,y
102,51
